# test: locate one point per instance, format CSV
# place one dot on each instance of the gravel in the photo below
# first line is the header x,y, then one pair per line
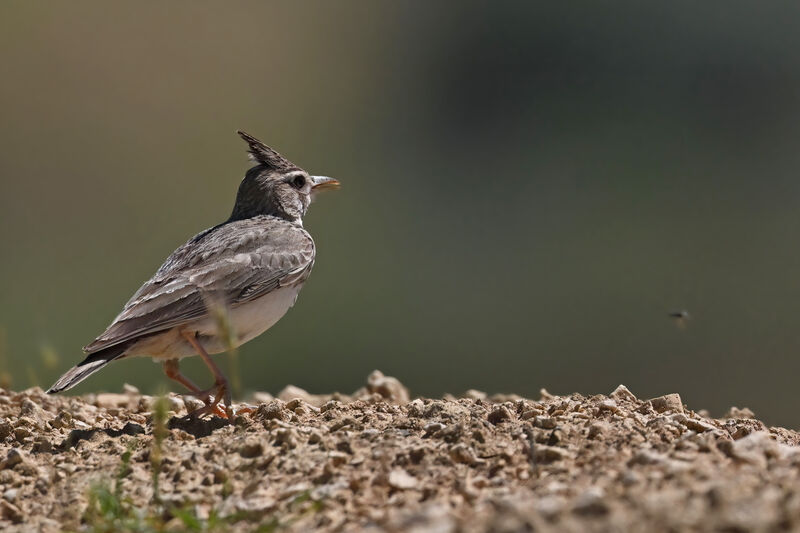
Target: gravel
x,y
378,461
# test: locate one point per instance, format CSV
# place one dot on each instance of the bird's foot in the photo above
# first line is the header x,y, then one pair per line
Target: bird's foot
x,y
213,399
243,409
213,409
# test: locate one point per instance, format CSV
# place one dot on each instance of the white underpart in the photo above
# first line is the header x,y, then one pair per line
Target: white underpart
x,y
248,321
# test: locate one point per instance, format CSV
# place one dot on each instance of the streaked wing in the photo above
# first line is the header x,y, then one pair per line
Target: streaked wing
x,y
233,263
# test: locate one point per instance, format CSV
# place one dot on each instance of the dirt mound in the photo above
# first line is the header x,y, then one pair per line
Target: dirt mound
x,y
377,461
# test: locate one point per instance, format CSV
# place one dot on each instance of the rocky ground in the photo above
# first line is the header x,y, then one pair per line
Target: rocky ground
x,y
377,461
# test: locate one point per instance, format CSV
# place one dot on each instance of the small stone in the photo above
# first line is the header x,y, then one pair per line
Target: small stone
x,y
262,397
591,502
273,410
21,433
62,420
596,431
646,457
622,393
608,405
550,506
287,437
254,506
295,404
548,454
473,394
433,427
130,390
698,425
30,409
755,449
191,403
251,448
668,402
220,476
546,423
11,512
42,445
735,412
176,404
111,399
498,414
10,495
400,479
416,408
461,453
5,429
388,387
531,413
13,458
336,459
290,392
330,405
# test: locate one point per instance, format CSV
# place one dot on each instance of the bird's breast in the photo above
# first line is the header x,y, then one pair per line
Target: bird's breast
x,y
253,318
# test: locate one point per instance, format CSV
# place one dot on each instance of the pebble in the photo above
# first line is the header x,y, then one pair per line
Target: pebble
x,y
13,458
130,390
433,427
176,403
473,394
192,404
546,423
400,479
30,409
262,397
548,454
668,402
62,420
499,414
389,387
461,453
5,428
416,408
274,410
591,502
290,392
622,393
609,405
251,448
735,412
11,512
111,399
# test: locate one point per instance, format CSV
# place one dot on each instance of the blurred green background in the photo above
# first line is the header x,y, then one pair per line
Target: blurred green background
x,y
529,188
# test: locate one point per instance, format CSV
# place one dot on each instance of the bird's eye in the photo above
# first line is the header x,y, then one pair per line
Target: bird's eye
x,y
298,182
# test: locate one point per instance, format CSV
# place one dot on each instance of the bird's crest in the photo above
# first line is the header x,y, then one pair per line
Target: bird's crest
x,y
263,154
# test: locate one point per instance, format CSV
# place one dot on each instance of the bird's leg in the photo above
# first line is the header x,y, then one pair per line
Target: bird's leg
x,y
173,372
220,383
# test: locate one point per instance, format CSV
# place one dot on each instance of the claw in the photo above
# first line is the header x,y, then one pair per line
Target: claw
x,y
211,409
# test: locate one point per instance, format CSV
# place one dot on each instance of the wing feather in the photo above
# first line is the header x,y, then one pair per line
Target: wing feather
x,y
232,263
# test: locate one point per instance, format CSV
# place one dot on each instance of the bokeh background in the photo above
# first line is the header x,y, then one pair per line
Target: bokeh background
x,y
530,188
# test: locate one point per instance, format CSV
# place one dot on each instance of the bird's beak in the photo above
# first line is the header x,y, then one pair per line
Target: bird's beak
x,y
321,183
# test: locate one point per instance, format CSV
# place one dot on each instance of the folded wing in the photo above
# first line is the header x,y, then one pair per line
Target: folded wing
x,y
233,263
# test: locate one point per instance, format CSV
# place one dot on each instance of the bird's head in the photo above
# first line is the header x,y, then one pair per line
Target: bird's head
x,y
276,186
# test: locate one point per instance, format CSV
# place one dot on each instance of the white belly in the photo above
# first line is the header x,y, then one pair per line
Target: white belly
x,y
247,322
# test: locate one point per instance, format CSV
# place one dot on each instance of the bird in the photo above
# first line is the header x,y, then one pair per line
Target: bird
x,y
252,266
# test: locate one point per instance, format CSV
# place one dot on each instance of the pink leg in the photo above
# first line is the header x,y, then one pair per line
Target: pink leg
x,y
222,391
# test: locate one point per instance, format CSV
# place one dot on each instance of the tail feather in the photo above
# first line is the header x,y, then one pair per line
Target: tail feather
x,y
86,368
